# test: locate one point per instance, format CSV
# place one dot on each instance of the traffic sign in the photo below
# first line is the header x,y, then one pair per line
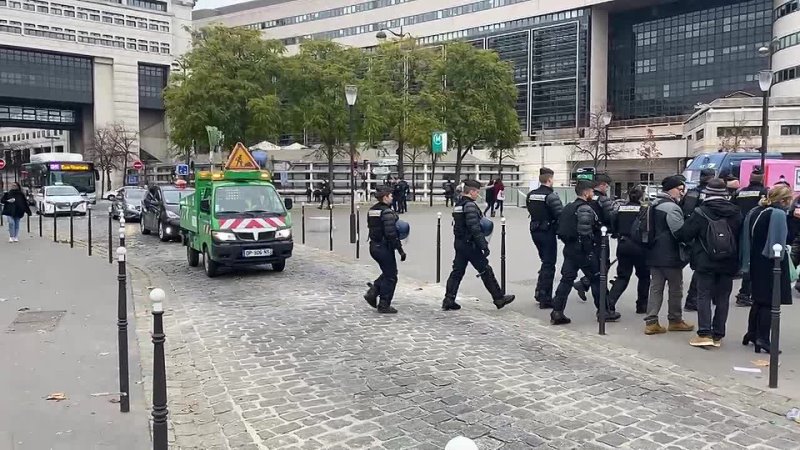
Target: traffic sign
x,y
2,163
387,162
381,170
241,159
439,142
132,180
137,165
182,170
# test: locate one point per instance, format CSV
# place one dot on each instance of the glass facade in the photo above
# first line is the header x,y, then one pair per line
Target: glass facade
x,y
32,75
152,81
664,60
26,116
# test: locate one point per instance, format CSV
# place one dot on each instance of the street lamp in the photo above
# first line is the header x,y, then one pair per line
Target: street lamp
x,y
351,94
765,79
381,34
605,119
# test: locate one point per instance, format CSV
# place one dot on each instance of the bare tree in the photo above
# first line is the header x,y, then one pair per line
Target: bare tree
x,y
103,152
125,142
649,150
592,147
737,138
413,153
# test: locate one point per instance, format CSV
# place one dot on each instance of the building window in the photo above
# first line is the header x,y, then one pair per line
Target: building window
x,y
700,135
726,132
148,4
790,130
787,8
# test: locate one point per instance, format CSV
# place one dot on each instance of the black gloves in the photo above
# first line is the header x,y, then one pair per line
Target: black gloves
x,y
485,251
402,254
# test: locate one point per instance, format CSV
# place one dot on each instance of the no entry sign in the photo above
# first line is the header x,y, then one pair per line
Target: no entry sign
x,y
2,163
137,165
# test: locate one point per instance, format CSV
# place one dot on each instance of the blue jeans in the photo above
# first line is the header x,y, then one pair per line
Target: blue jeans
x,y
13,226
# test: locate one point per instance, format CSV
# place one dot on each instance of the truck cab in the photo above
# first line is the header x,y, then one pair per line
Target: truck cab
x,y
236,218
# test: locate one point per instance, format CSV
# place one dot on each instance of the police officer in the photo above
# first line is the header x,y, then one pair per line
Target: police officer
x,y
746,199
630,255
545,207
579,229
691,200
471,248
383,241
603,206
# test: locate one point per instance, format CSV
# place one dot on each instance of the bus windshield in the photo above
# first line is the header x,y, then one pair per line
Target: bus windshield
x,y
255,199
705,161
82,181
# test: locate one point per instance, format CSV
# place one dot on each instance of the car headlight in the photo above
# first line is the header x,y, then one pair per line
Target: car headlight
x,y
172,215
283,234
223,236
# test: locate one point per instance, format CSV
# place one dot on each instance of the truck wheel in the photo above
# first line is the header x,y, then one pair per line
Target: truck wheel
x,y
193,256
279,266
210,266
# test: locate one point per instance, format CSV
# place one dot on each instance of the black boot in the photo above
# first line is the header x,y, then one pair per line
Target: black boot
x,y
558,318
580,288
743,300
491,284
544,300
611,316
385,307
372,295
449,304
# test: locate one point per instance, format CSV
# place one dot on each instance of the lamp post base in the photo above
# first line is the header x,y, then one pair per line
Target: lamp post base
x,y
352,228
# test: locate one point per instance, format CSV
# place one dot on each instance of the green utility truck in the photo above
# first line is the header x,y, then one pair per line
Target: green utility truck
x,y
236,218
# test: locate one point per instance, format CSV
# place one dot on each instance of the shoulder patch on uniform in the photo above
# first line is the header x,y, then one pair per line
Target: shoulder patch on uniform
x,y
374,213
595,197
630,208
744,194
537,197
458,210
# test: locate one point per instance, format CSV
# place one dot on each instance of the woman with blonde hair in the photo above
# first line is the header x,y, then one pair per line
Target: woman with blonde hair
x,y
765,226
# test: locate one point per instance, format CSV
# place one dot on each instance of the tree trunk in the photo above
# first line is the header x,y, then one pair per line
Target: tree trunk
x,y
459,159
330,170
103,183
413,179
500,164
400,152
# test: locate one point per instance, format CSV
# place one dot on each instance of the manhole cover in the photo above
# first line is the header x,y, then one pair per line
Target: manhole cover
x,y
35,321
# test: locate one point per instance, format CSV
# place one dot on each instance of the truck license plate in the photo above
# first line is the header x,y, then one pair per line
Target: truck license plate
x,y
259,252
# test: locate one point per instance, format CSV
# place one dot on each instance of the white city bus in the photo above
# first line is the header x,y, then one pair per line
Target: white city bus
x,y
58,169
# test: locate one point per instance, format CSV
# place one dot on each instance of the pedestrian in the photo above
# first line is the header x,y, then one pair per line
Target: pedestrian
x,y
490,198
630,254
794,236
325,194
746,199
765,226
544,206
690,201
404,190
308,194
471,247
449,191
732,183
713,232
384,240
499,195
579,230
15,206
664,258
604,207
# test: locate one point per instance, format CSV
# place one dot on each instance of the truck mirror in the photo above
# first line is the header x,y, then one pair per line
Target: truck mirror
x,y
205,205
288,202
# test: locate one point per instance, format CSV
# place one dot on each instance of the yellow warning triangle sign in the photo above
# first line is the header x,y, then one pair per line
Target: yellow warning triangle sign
x,y
241,159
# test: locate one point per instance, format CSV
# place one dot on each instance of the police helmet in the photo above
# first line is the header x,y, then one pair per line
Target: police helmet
x,y
403,229
487,226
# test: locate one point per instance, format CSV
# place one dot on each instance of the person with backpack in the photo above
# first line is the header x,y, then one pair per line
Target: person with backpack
x,y
579,230
663,256
544,206
691,200
630,254
746,199
15,206
712,232
603,205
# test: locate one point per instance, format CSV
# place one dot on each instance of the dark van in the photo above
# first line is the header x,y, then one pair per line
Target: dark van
x,y
724,163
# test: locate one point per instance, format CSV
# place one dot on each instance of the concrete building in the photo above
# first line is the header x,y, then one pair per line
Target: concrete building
x,y
648,62
78,65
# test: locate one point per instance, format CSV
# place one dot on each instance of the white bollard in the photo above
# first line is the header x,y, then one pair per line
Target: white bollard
x,y
461,443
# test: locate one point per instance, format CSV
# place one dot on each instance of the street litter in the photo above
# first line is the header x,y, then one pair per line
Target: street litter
x,y
103,394
24,308
761,363
103,353
747,369
57,396
794,414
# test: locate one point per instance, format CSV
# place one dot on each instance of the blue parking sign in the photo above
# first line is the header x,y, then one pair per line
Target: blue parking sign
x,y
182,170
133,180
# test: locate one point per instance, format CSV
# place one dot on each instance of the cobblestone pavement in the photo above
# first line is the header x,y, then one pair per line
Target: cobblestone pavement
x,y
263,360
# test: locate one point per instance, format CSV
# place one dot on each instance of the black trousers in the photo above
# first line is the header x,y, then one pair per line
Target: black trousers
x,y
745,290
759,322
547,246
325,197
387,281
574,261
626,264
402,204
713,303
466,254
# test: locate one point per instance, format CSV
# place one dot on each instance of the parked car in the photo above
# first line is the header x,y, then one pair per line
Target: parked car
x,y
56,200
161,211
128,203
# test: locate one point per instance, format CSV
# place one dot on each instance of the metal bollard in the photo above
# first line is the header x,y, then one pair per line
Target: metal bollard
x,y
438,247
89,217
110,238
55,223
358,231
330,225
503,254
29,223
303,222
71,225
160,412
1,220
775,325
122,331
41,215
121,231
601,318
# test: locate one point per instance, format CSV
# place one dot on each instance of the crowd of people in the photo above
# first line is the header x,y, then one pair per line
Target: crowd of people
x,y
721,230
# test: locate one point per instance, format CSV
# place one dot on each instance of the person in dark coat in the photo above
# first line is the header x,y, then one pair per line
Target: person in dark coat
x,y
713,272
544,206
15,206
765,226
383,242
603,205
490,198
325,194
630,255
690,201
746,199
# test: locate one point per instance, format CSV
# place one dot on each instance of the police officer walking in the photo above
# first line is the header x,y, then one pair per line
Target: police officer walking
x,y
579,229
383,241
746,199
630,255
603,206
471,248
545,207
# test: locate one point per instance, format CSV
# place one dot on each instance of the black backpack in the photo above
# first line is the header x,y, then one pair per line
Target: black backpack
x,y
719,241
643,227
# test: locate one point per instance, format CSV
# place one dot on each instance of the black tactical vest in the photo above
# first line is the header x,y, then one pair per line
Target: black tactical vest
x,y
541,216
748,198
626,214
460,230
374,222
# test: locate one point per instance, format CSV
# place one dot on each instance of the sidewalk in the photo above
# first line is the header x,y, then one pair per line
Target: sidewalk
x,y
75,355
